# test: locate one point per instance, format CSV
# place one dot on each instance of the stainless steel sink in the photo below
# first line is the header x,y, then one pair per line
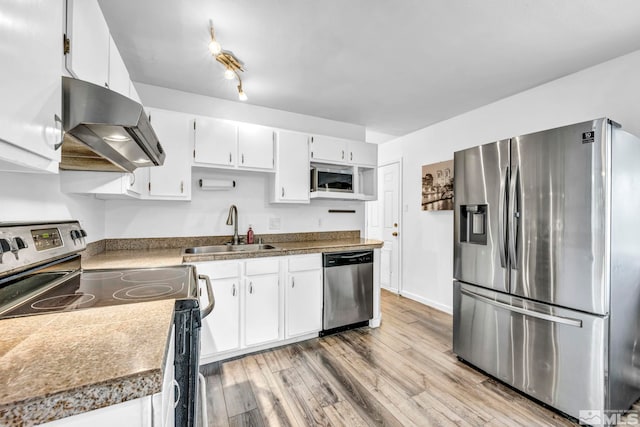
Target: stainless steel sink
x,y
227,248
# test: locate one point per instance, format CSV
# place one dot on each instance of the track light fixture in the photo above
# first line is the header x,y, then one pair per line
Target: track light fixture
x,y
233,66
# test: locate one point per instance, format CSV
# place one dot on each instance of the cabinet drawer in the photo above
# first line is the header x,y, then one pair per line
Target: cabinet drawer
x,y
223,270
305,262
262,266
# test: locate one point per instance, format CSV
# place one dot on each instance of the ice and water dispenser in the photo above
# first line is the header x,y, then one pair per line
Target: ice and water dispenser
x,y
473,224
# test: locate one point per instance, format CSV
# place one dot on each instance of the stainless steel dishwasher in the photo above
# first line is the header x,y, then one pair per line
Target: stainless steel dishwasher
x,y
348,290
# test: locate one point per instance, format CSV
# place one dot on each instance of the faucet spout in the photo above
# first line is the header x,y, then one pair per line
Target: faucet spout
x,y
232,219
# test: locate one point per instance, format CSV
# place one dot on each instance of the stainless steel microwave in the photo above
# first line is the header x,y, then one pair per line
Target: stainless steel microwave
x,y
332,179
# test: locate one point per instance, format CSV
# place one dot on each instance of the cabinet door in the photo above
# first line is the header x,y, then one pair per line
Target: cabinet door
x,y
255,147
261,309
304,303
31,89
89,37
133,93
292,168
221,328
324,148
172,180
363,153
118,74
215,142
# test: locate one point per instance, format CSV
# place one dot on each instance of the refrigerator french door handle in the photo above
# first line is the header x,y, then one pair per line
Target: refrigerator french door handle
x,y
502,226
549,317
514,219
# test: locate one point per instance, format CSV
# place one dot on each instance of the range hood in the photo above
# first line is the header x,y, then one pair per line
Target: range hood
x,y
105,131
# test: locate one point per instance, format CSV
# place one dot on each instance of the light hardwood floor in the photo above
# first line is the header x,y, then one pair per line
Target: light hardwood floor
x,y
401,374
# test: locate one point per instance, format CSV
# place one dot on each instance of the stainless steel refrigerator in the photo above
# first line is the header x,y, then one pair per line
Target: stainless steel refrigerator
x,y
547,264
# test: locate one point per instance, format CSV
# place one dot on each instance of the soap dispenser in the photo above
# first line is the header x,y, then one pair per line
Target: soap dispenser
x,y
250,236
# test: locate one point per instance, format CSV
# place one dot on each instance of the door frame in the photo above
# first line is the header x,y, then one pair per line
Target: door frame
x,y
399,161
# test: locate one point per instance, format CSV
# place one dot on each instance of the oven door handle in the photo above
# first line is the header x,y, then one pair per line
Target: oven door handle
x,y
212,300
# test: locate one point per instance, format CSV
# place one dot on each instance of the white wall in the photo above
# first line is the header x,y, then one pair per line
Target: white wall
x,y
611,89
169,99
206,214
37,197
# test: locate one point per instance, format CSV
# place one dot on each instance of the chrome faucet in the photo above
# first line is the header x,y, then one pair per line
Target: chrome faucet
x,y
232,219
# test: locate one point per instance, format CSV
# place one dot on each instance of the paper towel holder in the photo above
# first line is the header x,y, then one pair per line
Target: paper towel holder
x,y
216,184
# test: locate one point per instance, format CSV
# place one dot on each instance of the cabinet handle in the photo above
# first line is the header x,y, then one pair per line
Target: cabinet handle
x,y
233,290
312,151
351,156
293,282
229,157
282,191
250,287
342,154
181,187
243,158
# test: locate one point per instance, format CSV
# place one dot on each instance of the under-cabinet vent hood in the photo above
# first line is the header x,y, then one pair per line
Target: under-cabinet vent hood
x,y
105,131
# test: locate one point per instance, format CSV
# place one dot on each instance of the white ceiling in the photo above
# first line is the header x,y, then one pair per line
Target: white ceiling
x,y
392,66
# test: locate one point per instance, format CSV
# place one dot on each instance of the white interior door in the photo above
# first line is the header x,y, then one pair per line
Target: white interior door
x,y
384,224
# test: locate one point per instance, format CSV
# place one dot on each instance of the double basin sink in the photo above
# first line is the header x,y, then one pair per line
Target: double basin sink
x,y
203,250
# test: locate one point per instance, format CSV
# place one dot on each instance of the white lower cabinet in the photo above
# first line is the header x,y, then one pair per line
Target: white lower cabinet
x,y
303,295
221,329
247,309
253,311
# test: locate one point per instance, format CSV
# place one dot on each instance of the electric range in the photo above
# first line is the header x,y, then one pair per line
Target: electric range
x,y
40,273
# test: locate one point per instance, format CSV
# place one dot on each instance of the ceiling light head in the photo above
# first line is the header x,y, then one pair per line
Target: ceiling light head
x,y
229,74
215,48
241,95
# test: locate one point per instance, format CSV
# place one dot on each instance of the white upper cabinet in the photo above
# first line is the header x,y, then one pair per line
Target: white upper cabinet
x,y
363,153
118,75
220,143
133,93
327,149
89,39
30,74
255,147
291,180
215,142
172,180
342,151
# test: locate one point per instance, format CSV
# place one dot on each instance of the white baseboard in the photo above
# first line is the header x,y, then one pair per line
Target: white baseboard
x,y
426,301
375,322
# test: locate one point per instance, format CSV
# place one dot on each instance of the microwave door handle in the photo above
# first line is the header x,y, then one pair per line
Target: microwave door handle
x,y
502,226
526,312
212,300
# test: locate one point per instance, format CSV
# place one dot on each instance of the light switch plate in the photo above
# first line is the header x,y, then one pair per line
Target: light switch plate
x,y
274,223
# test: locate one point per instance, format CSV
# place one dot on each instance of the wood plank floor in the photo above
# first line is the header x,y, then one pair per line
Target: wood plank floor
x,y
401,374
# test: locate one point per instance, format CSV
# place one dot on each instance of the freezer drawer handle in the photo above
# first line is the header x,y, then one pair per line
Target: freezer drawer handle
x,y
212,300
557,319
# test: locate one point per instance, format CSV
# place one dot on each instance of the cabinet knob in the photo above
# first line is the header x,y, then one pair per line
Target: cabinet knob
x,y
394,234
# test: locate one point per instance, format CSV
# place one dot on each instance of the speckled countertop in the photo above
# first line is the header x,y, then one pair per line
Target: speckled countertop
x,y
125,258
57,365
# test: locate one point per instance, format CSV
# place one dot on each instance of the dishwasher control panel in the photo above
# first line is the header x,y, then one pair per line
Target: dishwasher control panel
x,y
347,258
